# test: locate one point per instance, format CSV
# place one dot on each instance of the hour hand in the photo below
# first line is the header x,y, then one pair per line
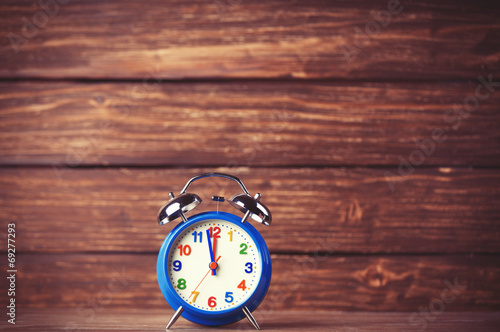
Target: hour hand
x,y
213,264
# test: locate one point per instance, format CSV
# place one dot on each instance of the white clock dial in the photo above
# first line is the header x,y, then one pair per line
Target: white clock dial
x,y
235,256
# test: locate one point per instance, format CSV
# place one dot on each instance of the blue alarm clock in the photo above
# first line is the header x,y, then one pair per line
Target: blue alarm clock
x,y
214,268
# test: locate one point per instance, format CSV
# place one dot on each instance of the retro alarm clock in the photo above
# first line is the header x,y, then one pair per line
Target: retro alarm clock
x,y
214,268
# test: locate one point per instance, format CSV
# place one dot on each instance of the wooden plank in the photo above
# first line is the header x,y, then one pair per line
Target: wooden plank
x,y
349,210
266,39
355,282
245,124
132,319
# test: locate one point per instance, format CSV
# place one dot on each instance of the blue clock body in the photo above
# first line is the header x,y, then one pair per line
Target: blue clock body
x,y
213,318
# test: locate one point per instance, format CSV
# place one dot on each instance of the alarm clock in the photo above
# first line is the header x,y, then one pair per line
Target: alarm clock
x,y
214,268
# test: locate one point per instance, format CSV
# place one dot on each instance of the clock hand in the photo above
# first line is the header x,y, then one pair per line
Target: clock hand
x,y
203,278
212,256
214,246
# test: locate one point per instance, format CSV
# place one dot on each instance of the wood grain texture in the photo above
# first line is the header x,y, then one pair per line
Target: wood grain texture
x,y
265,39
109,105
245,124
155,320
314,210
356,282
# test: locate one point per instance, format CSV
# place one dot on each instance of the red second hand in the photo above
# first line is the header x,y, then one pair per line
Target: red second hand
x,y
202,279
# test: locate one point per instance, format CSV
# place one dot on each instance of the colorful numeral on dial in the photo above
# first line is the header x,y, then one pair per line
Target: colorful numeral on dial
x,y
211,301
229,297
177,265
242,285
214,232
185,249
181,283
196,234
244,247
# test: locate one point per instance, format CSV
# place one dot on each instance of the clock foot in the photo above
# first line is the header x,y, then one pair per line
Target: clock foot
x,y
174,318
251,318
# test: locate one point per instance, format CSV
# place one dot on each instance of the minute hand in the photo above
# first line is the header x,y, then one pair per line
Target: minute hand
x,y
212,257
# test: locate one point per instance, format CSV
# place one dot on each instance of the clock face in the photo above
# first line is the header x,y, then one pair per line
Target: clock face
x,y
214,265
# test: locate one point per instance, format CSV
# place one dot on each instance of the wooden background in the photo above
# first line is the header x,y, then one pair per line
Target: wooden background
x,y
106,106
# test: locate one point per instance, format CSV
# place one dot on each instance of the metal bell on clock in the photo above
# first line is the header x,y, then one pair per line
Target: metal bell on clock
x,y
252,208
177,207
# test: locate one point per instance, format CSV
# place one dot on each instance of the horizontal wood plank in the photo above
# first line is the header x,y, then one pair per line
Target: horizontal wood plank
x,y
357,282
132,319
265,39
314,210
246,124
